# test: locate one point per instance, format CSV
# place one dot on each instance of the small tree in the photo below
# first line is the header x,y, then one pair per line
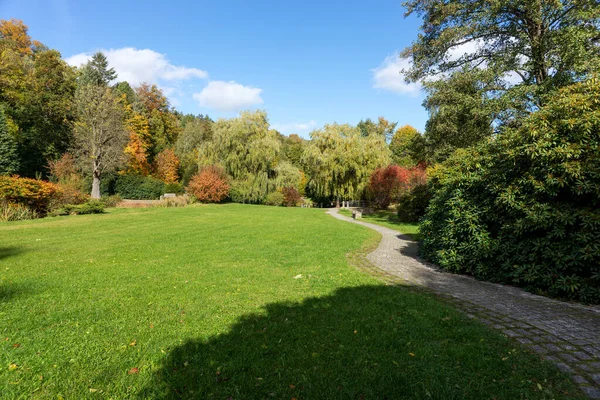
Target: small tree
x,y
209,185
167,166
100,135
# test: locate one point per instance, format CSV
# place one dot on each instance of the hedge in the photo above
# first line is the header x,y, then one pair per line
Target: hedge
x,y
524,207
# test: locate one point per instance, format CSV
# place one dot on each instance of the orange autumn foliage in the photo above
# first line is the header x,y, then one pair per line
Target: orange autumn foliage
x,y
15,31
167,166
138,145
33,193
209,185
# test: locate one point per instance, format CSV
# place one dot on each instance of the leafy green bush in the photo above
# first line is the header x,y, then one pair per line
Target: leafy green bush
x,y
413,203
111,201
139,187
176,188
274,199
524,208
16,212
90,207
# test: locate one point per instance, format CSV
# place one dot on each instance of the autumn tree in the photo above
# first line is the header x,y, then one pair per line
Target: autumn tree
x,y
36,89
100,135
339,161
163,124
16,32
167,166
136,150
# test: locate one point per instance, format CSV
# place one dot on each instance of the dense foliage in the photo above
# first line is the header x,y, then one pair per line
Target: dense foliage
x,y
291,196
32,193
209,185
339,160
524,207
387,184
274,199
139,187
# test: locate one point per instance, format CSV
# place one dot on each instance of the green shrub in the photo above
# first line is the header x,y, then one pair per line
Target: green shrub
x,y
274,199
111,201
413,203
524,208
139,187
176,188
16,212
90,207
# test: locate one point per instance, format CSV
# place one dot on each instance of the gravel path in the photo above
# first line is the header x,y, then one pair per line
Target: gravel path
x,y
564,333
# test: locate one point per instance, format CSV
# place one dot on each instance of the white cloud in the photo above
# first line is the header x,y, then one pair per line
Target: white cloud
x,y
456,52
388,76
143,65
295,127
228,96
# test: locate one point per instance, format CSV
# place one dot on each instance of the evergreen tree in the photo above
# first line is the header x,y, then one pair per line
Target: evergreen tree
x,y
9,158
97,72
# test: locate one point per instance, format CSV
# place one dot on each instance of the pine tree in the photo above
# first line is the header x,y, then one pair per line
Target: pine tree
x,y
9,158
96,71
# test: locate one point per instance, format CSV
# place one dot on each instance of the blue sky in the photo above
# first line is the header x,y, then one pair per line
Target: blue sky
x,y
305,62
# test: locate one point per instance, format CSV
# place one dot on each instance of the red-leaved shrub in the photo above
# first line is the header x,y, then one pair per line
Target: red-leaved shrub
x,y
387,184
291,196
209,185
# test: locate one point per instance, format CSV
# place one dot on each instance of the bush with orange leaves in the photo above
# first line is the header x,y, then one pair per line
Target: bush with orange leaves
x,y
33,193
209,185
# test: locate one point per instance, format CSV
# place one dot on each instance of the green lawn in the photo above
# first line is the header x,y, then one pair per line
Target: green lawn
x,y
389,220
233,301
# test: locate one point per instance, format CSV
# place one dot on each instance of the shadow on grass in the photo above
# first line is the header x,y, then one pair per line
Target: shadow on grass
x,y
369,342
6,252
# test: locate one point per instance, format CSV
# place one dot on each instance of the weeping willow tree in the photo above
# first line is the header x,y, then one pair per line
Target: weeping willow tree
x,y
248,151
339,160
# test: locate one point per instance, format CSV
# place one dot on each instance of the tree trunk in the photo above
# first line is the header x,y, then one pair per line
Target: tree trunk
x,y
96,186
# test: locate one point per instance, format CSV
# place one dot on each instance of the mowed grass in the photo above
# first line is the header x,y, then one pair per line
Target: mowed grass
x,y
233,301
389,219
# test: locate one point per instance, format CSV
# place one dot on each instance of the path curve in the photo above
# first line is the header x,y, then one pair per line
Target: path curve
x,y
567,334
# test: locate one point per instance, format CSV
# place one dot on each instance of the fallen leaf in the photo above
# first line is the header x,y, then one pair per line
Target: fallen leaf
x,y
292,386
16,345
12,367
412,354
93,390
298,276
133,370
133,343
355,331
151,326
